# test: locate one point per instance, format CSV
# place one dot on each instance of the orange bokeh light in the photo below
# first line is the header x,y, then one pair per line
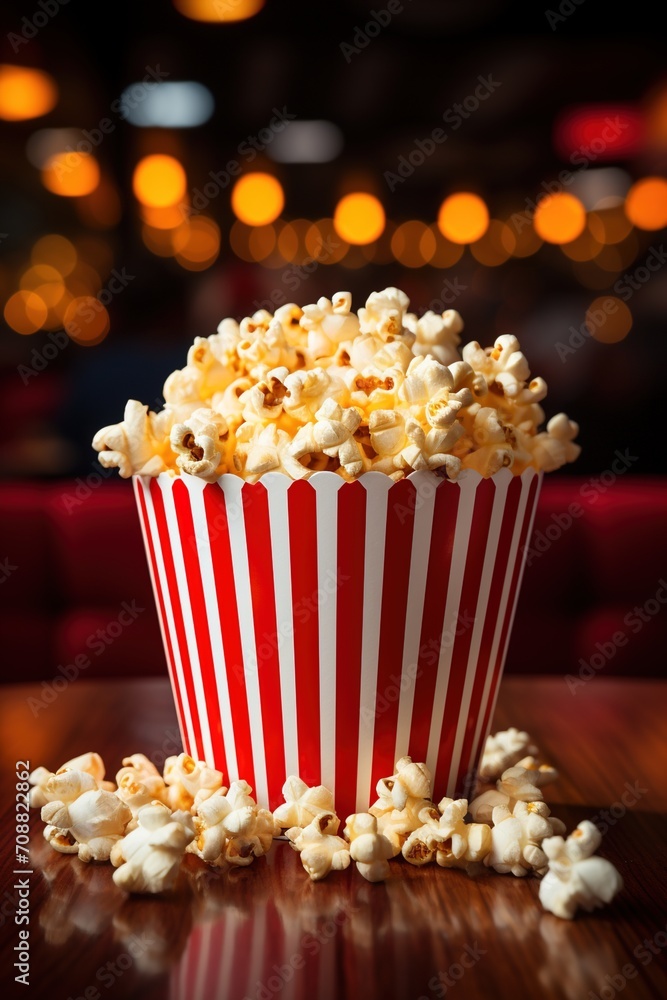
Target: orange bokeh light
x,y
25,93
463,218
218,11
359,218
25,312
56,251
101,209
646,203
413,244
197,243
159,181
559,218
324,244
257,199
495,246
71,175
86,321
608,319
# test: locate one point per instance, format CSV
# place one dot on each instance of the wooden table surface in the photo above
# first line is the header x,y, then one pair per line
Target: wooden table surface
x,y
267,932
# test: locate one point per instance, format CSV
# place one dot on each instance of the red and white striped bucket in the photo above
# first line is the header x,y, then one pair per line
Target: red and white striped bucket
x,y
326,628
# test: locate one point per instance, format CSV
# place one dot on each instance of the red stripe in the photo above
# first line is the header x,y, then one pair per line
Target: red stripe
x,y
508,522
395,585
301,500
500,656
159,598
225,585
186,527
435,598
260,565
472,575
175,600
349,633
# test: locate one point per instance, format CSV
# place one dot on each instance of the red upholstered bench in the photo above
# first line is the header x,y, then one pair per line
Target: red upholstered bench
x,y
81,586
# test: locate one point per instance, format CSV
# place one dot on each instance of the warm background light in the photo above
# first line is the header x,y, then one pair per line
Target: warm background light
x,y
102,208
608,319
324,244
495,246
463,218
71,175
218,11
646,203
86,321
25,93
359,218
55,250
197,243
25,312
559,218
413,244
257,199
159,181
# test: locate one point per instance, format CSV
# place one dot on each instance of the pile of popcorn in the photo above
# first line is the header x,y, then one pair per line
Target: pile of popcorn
x,y
145,822
323,388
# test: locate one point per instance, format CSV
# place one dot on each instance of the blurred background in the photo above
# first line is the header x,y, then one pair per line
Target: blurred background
x,y
170,163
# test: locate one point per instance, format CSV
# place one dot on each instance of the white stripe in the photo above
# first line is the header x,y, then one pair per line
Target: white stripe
x,y
199,984
212,602
502,482
522,556
425,485
276,487
166,485
377,486
477,745
228,956
326,488
257,948
188,736
232,486
467,484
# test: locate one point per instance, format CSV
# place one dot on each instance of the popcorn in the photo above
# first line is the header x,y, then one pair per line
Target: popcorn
x,y
575,876
189,781
447,838
136,446
517,836
369,849
89,826
139,783
200,444
302,804
517,784
75,776
503,750
148,859
230,827
401,799
298,392
320,849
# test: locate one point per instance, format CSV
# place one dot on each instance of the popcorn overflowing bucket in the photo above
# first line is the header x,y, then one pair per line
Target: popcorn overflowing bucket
x,y
327,628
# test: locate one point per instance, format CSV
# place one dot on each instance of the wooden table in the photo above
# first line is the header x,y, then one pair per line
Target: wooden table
x,y
267,932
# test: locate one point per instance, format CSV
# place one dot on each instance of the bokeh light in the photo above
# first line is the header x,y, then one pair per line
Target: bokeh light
x,y
608,319
413,244
101,209
522,240
218,11
159,181
262,242
559,218
359,218
609,225
646,203
167,217
197,243
463,217
86,321
71,175
25,312
25,93
292,240
257,199
55,250
446,253
324,244
158,241
586,246
495,246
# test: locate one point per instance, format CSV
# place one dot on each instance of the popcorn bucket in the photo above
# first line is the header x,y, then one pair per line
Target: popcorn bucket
x,y
326,628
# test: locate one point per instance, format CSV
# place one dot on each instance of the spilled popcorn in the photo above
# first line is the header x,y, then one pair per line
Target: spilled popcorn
x,y
146,822
323,388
